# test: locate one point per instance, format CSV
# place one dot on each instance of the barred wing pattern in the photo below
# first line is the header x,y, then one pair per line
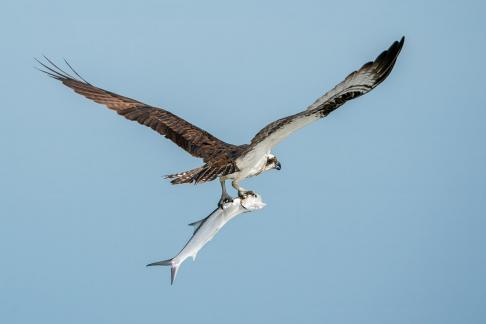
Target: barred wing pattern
x,y
356,84
192,139
207,172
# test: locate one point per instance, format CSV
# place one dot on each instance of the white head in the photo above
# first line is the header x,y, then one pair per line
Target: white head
x,y
272,163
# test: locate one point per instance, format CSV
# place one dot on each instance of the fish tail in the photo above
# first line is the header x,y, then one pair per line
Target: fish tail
x,y
174,267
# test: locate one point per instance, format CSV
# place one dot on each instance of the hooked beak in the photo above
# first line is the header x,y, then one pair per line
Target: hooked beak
x,y
278,166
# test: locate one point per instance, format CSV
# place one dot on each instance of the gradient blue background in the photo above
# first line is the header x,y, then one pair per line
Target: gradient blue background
x,y
378,215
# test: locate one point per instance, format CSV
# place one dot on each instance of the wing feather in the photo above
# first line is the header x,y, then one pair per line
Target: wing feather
x,y
354,85
192,139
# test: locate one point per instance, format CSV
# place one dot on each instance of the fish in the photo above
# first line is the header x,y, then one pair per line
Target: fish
x,y
205,229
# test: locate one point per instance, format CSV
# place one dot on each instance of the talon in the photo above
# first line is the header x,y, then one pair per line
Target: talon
x,y
245,194
224,200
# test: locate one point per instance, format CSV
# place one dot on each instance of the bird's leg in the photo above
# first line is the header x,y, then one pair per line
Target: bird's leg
x,y
242,193
225,198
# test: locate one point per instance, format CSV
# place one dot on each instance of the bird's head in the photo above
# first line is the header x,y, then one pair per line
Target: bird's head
x,y
272,163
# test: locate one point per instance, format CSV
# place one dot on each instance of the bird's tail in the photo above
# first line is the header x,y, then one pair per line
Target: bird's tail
x,y
186,176
204,173
174,267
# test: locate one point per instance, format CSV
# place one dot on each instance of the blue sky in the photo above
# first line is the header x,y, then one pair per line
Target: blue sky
x,y
377,215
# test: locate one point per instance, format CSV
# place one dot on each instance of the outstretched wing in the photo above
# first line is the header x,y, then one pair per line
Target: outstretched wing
x,y
194,140
356,84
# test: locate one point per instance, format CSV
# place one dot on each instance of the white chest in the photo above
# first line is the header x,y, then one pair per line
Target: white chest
x,y
251,164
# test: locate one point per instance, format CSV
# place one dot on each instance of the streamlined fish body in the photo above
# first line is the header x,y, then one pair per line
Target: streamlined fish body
x,y
206,228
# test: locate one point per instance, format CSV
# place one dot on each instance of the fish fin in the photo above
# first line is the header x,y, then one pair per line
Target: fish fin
x,y
173,273
174,267
197,224
161,263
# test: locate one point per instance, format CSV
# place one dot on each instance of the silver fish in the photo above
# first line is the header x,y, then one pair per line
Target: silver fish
x,y
206,228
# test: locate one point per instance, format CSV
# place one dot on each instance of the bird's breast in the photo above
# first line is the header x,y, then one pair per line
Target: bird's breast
x,y
251,164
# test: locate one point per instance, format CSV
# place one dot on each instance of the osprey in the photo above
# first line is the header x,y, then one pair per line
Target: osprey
x,y
223,160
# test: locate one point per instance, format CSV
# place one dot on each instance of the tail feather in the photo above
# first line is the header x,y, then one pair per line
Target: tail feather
x,y
174,267
185,177
204,173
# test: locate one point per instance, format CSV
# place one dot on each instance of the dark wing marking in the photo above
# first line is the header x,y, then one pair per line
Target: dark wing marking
x,y
194,140
356,84
361,81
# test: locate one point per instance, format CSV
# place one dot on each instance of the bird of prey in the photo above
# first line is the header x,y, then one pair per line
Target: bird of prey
x,y
223,160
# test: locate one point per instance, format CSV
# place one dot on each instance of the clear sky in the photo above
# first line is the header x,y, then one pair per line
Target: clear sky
x,y
377,216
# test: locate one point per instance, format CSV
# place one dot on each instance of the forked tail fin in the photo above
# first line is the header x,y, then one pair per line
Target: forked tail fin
x,y
174,267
